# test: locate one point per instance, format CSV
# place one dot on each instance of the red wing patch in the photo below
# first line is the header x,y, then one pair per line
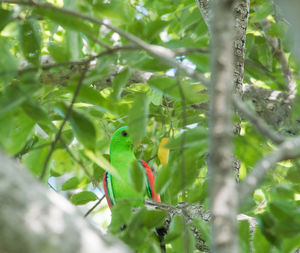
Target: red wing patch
x,y
151,179
109,202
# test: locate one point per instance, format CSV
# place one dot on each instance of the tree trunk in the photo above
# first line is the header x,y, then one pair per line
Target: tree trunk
x,y
224,202
33,219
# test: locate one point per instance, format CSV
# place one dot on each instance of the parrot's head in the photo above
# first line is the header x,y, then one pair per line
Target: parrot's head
x,y
121,141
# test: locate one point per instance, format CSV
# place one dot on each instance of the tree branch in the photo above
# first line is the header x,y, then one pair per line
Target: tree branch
x,y
289,149
77,62
68,114
287,72
260,125
42,220
241,11
224,199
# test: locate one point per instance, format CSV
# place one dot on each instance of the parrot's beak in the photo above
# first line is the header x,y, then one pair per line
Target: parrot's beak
x,y
139,143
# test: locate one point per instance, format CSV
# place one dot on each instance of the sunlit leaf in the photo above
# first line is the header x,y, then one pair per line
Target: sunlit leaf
x,y
83,197
30,40
70,184
138,117
137,176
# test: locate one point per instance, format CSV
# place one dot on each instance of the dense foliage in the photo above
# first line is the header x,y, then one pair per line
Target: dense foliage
x,y
51,60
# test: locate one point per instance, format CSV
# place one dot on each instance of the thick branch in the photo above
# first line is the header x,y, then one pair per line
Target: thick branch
x,y
290,149
241,11
33,219
223,193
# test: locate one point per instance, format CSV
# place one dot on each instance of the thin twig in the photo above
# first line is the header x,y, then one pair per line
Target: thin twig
x,y
184,123
52,187
151,158
185,51
78,62
68,114
94,206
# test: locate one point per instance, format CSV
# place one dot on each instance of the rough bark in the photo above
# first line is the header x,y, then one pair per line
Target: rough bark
x,y
32,219
240,11
222,183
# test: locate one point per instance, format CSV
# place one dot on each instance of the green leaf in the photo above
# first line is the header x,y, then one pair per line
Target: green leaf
x,y
291,244
11,98
138,117
196,137
154,218
118,11
102,162
98,172
61,161
277,30
35,160
5,18
59,52
293,174
83,127
244,236
137,176
30,40
84,130
121,215
89,95
39,114
83,197
263,12
185,242
119,82
67,21
190,92
267,222
70,184
204,229
8,63
260,243
155,97
282,209
162,179
176,229
16,128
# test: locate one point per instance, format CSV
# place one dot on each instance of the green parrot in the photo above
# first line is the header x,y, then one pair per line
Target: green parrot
x,y
122,157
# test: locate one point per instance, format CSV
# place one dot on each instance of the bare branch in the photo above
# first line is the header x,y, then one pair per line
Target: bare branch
x,y
287,72
78,62
289,149
94,206
261,126
185,51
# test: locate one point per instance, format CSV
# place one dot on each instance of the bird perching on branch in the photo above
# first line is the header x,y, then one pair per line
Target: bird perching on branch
x,y
118,188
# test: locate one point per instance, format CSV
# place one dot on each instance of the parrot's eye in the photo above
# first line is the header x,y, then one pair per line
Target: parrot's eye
x,y
124,133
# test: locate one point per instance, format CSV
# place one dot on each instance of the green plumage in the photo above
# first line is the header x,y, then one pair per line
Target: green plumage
x,y
122,157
